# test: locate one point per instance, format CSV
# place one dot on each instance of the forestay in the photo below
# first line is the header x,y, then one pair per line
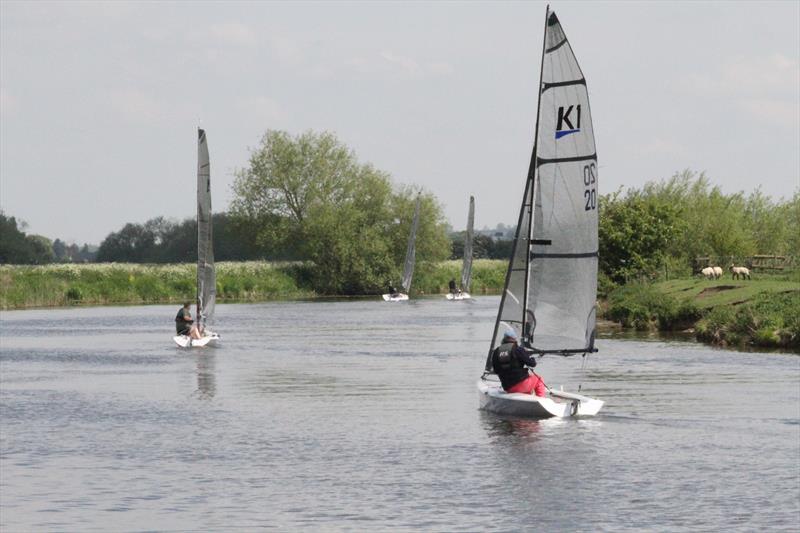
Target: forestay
x,y
466,268
551,284
206,276
408,270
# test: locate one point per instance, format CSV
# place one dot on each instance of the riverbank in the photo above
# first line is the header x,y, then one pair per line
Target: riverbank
x,y
60,285
763,312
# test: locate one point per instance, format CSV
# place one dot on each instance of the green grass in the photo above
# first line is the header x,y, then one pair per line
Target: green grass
x,y
756,312
122,283
488,276
708,294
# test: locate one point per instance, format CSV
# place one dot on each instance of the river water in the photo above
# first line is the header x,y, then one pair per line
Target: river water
x,y
363,415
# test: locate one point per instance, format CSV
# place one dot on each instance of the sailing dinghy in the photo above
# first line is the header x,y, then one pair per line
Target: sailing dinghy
x,y
408,269
206,276
551,285
466,267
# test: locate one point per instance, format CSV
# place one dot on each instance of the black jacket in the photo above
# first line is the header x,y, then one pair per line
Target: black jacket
x,y
509,361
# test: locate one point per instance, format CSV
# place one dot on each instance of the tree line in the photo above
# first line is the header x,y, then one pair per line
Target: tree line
x,y
16,247
307,198
666,224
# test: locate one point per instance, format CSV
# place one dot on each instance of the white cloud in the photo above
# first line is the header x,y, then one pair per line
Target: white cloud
x,y
765,87
775,72
266,109
136,107
234,33
772,111
406,64
659,146
7,101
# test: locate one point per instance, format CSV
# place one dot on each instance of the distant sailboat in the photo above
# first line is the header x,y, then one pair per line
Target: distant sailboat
x,y
206,275
408,269
551,285
466,267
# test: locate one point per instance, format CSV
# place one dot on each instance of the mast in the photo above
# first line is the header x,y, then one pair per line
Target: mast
x,y
527,205
532,175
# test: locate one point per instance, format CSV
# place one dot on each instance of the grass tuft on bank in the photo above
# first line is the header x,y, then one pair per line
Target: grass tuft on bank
x,y
757,312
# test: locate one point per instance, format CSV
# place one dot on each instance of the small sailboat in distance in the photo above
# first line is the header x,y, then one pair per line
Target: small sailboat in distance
x,y
549,298
466,268
408,268
206,275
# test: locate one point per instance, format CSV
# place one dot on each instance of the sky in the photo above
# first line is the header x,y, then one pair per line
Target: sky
x,y
100,101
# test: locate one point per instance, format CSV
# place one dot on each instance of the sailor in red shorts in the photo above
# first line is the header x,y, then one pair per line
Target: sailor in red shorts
x,y
511,361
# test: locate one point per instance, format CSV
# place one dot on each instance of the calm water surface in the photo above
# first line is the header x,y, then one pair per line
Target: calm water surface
x,y
362,415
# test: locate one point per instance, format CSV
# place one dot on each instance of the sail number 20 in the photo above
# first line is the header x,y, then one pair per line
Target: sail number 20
x,y
589,180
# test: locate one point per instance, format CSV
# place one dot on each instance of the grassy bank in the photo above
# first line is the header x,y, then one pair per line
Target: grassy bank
x,y
760,312
119,283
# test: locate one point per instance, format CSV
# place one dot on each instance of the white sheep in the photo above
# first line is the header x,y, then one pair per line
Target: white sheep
x,y
717,272
708,272
736,272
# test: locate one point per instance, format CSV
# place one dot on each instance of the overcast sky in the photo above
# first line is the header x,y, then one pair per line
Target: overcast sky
x,y
99,101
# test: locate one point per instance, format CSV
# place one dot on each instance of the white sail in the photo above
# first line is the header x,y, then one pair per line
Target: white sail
x,y
408,269
551,284
466,268
206,276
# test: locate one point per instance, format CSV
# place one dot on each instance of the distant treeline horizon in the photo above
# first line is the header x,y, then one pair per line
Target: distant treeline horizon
x,y
307,198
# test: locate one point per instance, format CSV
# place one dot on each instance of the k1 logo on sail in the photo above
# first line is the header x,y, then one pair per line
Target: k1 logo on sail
x,y
564,119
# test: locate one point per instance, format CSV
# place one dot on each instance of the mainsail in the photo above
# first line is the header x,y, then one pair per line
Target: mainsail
x,y
206,277
466,268
408,270
551,283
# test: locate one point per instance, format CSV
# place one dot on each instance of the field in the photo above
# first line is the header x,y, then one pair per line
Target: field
x,y
123,283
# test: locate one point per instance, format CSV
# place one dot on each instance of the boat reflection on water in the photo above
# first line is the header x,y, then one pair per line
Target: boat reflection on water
x,y
206,380
521,430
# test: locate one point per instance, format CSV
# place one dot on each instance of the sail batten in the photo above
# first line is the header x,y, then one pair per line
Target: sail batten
x,y
552,276
206,275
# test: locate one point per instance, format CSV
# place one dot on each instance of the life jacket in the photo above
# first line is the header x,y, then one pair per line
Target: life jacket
x,y
507,365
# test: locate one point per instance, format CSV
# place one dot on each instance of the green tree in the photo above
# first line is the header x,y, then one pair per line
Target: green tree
x,y
635,232
21,249
307,197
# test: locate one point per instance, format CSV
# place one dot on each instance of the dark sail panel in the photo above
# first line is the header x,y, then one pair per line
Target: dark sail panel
x,y
466,268
206,276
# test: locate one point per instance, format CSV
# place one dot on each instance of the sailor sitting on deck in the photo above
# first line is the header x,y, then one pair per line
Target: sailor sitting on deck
x,y
509,361
184,325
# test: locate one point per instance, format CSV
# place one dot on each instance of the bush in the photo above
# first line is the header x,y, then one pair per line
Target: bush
x,y
769,320
643,307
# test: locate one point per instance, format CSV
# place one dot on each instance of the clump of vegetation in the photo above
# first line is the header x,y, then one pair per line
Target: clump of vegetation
x,y
125,283
656,232
769,320
643,307
308,197
488,275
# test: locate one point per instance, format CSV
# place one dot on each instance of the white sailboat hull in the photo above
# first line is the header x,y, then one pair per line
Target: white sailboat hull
x,y
459,296
399,297
185,341
558,404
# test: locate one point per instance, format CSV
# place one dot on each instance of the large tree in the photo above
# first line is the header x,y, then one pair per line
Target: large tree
x,y
309,198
